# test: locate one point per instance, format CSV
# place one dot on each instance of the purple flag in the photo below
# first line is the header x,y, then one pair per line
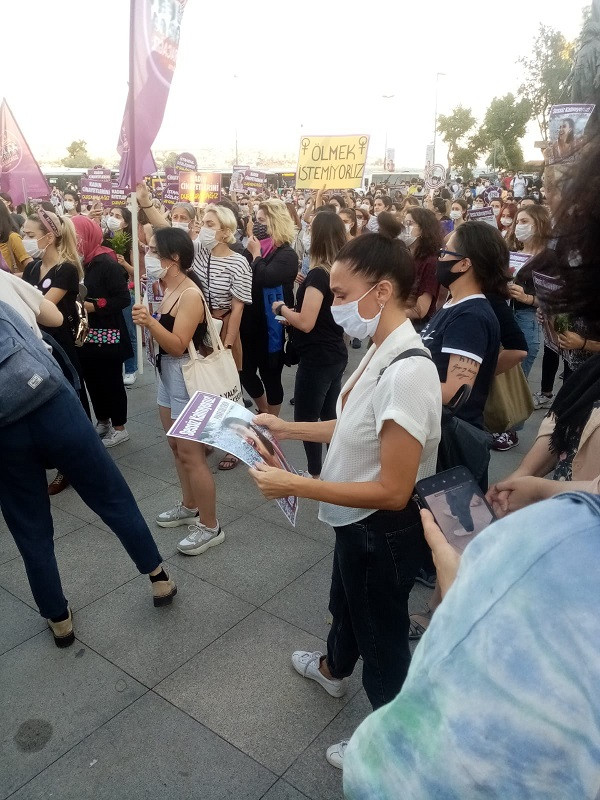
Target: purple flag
x,y
20,174
153,43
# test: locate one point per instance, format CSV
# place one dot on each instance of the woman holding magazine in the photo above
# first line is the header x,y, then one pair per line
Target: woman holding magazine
x,y
181,320
385,438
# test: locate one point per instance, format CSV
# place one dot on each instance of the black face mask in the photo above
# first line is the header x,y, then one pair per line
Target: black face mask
x,y
260,231
443,274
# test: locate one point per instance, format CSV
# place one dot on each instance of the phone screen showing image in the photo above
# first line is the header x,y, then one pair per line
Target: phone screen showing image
x,y
461,512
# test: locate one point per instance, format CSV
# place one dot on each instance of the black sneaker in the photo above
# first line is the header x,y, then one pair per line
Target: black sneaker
x,y
426,579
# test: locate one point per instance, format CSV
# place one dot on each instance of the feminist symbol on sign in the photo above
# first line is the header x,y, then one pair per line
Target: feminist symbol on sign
x,y
362,143
305,144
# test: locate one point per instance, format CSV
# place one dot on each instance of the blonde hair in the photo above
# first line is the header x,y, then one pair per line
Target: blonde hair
x,y
66,243
279,223
226,219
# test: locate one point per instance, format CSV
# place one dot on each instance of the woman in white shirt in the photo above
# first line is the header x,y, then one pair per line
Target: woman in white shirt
x,y
385,439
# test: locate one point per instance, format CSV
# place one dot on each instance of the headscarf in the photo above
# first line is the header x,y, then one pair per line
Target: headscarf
x,y
89,239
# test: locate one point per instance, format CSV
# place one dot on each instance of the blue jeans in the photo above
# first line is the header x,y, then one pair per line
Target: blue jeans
x,y
374,566
131,364
315,396
527,321
60,434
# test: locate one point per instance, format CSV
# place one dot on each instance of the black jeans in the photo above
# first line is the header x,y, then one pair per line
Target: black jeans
x,y
315,396
374,565
104,381
270,367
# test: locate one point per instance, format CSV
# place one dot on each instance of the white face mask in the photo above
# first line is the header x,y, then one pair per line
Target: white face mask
x,y
113,224
455,214
69,205
208,238
360,223
523,232
407,236
348,226
497,211
365,207
154,269
183,226
348,317
32,248
506,221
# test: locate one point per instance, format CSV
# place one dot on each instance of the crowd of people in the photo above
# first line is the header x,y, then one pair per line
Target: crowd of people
x,y
295,280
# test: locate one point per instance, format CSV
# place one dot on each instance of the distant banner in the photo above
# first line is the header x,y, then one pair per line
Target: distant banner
x,y
289,180
237,179
154,41
485,214
516,262
119,196
327,162
435,175
199,187
545,287
170,195
253,179
390,159
96,186
186,162
20,174
228,426
566,126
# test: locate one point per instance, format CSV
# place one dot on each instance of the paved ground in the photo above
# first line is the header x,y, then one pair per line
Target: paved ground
x,y
197,700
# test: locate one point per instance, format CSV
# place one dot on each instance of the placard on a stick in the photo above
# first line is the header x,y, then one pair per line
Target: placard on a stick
x,y
331,162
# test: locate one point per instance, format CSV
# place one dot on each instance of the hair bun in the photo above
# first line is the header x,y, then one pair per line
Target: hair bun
x,y
389,225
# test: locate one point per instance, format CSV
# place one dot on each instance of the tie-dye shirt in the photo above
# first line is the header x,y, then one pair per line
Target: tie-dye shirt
x,y
502,699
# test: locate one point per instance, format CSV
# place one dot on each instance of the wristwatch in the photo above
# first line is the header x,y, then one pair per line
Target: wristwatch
x,y
278,309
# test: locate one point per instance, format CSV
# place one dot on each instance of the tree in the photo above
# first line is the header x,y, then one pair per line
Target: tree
x,y
465,158
78,155
546,74
453,128
504,124
166,159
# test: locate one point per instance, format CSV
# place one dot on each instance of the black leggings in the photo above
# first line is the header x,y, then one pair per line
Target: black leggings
x,y
550,364
269,366
104,381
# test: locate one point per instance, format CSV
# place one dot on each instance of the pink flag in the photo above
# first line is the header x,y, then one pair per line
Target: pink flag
x,y
20,174
153,43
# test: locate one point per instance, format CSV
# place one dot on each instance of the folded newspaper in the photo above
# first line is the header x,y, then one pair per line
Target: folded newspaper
x,y
228,426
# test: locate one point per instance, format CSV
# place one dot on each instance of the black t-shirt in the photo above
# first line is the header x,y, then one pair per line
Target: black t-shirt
x,y
511,335
325,343
468,328
62,276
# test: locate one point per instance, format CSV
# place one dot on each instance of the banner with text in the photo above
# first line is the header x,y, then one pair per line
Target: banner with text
x,y
170,195
119,196
331,162
485,214
96,186
566,126
199,187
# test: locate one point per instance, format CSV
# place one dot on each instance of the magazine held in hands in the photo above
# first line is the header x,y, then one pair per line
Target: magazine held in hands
x,y
228,426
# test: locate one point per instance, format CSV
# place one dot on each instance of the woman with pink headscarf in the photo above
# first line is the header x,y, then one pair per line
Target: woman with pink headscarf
x,y
108,344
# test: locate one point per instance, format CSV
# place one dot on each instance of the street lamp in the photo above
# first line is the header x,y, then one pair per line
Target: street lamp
x,y
386,97
437,78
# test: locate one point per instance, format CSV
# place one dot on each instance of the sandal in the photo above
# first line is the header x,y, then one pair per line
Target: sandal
x,y
228,462
418,625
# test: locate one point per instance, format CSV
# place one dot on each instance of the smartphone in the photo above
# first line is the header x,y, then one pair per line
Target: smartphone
x,y
457,503
279,318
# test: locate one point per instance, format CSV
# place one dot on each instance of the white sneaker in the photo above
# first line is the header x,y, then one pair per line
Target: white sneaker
x,y
174,517
129,378
542,400
102,428
115,437
307,665
199,539
335,754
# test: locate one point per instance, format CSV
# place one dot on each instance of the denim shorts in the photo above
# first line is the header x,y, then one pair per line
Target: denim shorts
x,y
172,392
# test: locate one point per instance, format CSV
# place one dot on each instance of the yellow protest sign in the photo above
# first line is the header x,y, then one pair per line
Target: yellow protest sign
x,y
331,162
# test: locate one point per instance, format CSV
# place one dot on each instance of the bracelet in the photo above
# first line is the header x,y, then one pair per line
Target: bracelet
x,y
278,309
145,207
583,345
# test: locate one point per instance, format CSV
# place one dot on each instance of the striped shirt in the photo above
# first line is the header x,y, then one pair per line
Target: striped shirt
x,y
230,276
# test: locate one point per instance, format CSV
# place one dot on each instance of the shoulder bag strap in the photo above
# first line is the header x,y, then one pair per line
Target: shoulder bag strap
x,y
415,351
215,339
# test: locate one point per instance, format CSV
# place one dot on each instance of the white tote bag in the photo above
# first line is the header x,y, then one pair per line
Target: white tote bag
x,y
215,373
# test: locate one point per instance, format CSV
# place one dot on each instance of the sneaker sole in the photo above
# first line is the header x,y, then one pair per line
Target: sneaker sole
x,y
114,444
423,582
335,693
503,449
166,600
334,762
64,641
203,547
176,523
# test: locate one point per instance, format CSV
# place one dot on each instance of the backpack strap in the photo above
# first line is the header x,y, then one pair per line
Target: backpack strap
x,y
415,351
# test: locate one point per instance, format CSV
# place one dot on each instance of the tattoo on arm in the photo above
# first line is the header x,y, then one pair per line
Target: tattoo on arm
x,y
465,369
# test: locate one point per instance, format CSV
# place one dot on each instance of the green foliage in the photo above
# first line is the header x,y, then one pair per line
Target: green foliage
x,y
504,124
547,73
453,128
166,159
78,155
120,243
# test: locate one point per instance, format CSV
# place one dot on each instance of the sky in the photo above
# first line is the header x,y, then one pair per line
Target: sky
x,y
271,71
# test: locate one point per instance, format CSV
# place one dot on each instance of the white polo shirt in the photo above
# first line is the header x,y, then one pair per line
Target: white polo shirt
x,y
409,393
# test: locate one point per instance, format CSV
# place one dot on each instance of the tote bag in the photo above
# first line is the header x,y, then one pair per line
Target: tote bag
x,y
215,373
509,402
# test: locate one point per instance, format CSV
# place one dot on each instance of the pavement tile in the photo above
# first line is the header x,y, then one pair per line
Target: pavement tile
x,y
244,688
283,791
56,698
91,561
18,622
256,560
237,488
150,643
307,522
155,459
311,773
63,523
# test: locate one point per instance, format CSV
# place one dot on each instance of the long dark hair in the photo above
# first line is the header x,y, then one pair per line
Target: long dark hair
x,y
430,240
173,241
488,253
381,256
7,224
327,237
126,218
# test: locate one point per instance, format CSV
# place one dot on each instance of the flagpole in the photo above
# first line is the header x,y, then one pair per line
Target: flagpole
x,y
135,249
